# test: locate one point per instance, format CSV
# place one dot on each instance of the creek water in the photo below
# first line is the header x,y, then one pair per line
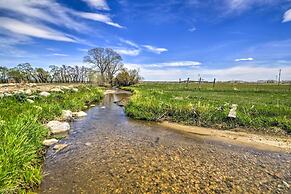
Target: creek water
x,y
108,152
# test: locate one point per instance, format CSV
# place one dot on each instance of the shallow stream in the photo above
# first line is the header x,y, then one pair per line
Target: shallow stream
x,y
108,152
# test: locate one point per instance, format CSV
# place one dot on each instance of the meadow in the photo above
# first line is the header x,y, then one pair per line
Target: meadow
x,y
22,132
263,108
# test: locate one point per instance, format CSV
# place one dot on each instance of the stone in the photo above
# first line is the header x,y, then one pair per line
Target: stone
x,y
31,97
103,107
8,94
65,87
32,84
79,114
92,105
45,94
58,127
30,101
286,184
59,147
232,112
75,89
88,144
28,92
49,142
67,115
18,92
57,90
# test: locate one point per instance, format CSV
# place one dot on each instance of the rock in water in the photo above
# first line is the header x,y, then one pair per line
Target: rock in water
x,y
58,127
232,112
59,147
49,142
30,101
79,114
67,115
45,94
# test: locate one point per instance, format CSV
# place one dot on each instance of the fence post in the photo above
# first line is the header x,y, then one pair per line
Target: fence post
x,y
214,80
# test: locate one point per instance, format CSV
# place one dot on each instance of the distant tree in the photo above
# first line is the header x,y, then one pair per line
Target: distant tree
x,y
105,60
27,71
15,74
41,75
127,77
3,74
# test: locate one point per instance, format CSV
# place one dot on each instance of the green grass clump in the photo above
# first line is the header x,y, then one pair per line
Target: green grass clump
x,y
261,107
22,132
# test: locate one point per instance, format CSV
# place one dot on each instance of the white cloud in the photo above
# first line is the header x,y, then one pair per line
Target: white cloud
x,y
60,54
129,52
249,73
244,59
155,49
97,17
239,6
167,66
130,43
287,16
33,30
175,64
98,4
55,13
246,73
193,29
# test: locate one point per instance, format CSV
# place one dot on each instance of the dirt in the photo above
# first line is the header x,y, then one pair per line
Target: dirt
x,y
110,153
262,142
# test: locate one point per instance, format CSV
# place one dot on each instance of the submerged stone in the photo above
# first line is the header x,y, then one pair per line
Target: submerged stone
x,y
79,114
49,142
59,147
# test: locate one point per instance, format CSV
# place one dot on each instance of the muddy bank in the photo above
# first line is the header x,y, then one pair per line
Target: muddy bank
x,y
262,142
110,153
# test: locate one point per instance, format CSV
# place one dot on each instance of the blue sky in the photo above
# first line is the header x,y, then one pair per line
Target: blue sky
x,y
165,39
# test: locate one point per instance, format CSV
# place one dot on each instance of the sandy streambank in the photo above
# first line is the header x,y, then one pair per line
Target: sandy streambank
x,y
262,142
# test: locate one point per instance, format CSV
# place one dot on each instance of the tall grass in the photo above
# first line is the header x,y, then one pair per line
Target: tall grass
x,y
22,131
265,108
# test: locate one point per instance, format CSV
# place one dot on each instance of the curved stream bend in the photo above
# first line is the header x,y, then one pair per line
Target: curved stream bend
x,y
110,153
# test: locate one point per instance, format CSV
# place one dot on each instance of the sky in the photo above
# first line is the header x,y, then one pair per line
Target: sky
x,y
165,39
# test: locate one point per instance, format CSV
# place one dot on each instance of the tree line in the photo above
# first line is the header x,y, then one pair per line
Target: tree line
x,y
105,67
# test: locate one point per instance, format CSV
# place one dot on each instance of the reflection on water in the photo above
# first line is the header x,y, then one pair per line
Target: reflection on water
x,y
110,153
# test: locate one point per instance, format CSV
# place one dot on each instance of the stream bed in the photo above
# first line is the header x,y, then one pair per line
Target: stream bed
x,y
108,152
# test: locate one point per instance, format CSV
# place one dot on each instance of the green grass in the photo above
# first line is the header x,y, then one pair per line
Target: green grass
x,y
261,107
22,131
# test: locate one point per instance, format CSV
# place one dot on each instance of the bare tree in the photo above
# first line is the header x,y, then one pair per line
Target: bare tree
x,y
104,60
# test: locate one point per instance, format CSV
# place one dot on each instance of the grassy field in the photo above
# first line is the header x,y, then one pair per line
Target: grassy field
x,y
261,107
22,131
